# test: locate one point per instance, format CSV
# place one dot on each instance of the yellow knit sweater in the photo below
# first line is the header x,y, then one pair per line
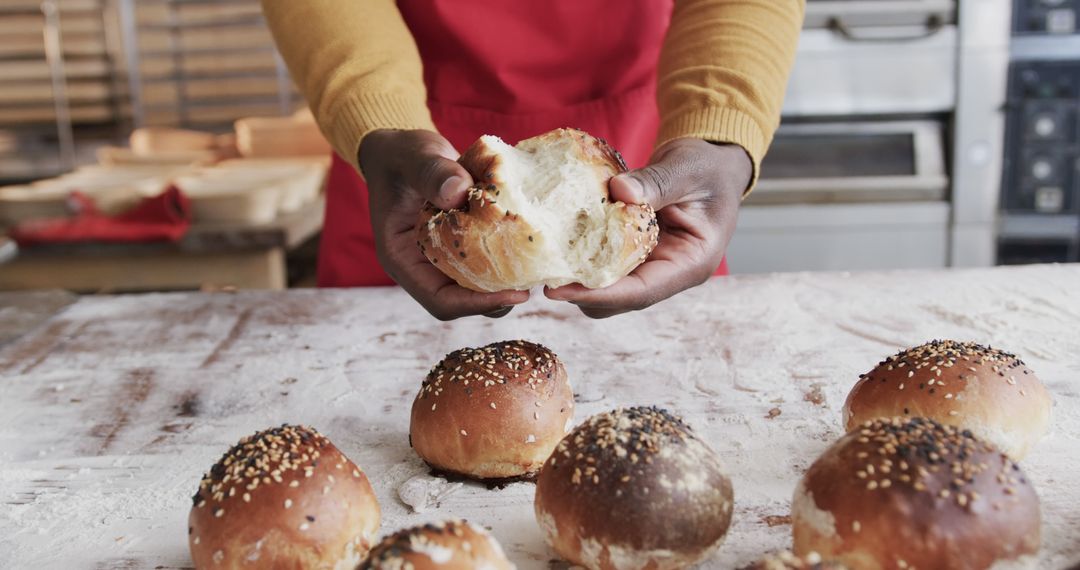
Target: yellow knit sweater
x,y
722,72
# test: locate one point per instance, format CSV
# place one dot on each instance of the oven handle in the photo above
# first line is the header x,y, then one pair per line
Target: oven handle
x,y
934,24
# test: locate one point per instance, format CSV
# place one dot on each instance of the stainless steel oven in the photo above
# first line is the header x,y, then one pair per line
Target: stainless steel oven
x,y
889,154
1040,199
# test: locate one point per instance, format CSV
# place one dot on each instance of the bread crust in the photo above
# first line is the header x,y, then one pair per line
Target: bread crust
x,y
989,391
633,488
787,561
283,498
450,545
494,412
913,493
485,247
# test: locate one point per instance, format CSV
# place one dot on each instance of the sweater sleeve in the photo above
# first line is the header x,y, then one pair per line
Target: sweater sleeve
x,y
723,71
356,64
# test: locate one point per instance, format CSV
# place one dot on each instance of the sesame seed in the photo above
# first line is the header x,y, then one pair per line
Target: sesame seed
x,y
304,526
288,503
463,432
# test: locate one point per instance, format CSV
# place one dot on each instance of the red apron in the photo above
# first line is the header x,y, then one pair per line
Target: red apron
x,y
513,69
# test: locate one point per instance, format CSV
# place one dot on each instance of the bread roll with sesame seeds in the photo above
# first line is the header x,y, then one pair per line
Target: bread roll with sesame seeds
x,y
283,498
787,561
492,413
451,545
911,493
539,214
989,391
631,489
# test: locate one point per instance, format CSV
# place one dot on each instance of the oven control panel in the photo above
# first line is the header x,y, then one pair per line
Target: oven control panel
x,y
1042,140
1046,17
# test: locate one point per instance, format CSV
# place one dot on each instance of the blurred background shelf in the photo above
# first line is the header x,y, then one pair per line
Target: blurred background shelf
x,y
210,256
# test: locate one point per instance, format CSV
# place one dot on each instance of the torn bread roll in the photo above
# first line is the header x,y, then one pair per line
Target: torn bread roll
x,y
913,493
539,214
634,488
989,391
283,498
494,412
450,545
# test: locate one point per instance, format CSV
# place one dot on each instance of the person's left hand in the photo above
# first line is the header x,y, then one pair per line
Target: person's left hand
x,y
695,187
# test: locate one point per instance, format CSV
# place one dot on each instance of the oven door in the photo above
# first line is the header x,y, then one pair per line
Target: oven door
x,y
845,196
886,161
874,13
875,57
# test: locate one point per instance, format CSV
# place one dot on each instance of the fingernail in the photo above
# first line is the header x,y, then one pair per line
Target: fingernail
x,y
500,312
449,185
637,191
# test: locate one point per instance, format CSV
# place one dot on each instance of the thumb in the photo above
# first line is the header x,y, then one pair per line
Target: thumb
x,y
433,172
652,185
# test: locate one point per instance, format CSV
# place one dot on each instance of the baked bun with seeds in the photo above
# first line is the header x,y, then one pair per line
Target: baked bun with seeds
x,y
283,498
986,390
910,493
451,545
492,413
787,561
633,488
539,214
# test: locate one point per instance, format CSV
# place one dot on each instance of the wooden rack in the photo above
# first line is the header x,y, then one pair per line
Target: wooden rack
x,y
61,93
202,63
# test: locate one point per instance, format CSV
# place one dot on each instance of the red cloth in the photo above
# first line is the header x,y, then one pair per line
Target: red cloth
x,y
513,69
165,217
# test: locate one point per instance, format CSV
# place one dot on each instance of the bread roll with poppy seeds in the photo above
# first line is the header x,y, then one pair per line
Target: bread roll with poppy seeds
x,y
539,214
492,413
913,493
451,545
989,391
633,488
283,498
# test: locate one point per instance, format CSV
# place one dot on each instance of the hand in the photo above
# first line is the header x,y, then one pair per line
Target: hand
x,y
695,187
403,170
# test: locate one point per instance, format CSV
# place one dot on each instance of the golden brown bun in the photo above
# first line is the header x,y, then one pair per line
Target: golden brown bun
x,y
539,214
451,545
494,412
283,498
912,493
787,561
633,488
986,390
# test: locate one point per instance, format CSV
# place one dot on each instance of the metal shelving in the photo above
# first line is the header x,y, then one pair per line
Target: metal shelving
x,y
202,63
59,92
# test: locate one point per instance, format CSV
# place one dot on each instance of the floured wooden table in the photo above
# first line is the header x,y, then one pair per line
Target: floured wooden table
x,y
113,408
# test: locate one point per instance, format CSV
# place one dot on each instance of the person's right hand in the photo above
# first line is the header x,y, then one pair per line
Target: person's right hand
x,y
404,169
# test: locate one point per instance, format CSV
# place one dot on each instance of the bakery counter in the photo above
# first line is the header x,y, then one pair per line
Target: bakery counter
x,y
250,255
115,406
